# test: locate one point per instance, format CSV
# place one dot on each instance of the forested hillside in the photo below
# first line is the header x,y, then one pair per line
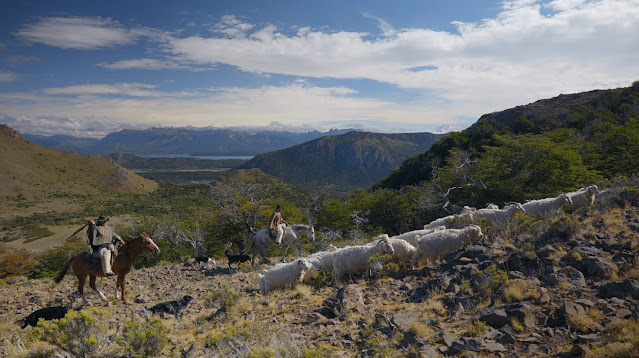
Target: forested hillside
x,y
532,151
343,162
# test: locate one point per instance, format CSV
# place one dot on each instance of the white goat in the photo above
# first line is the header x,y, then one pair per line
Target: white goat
x,y
440,243
492,206
403,251
450,220
320,261
410,235
494,216
354,259
283,275
540,208
583,197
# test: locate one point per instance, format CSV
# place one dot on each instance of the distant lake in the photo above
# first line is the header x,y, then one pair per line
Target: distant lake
x,y
210,157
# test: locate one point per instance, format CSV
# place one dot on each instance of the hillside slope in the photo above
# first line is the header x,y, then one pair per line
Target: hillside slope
x,y
342,162
600,125
33,177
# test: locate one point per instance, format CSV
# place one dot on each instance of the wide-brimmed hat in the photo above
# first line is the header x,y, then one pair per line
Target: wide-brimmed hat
x,y
102,218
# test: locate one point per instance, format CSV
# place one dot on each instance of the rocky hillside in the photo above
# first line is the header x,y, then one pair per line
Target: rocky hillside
x,y
564,287
31,175
342,162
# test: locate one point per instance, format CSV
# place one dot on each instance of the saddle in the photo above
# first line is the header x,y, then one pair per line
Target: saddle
x,y
95,261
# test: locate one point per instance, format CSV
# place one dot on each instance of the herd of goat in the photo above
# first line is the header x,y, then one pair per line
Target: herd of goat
x,y
437,239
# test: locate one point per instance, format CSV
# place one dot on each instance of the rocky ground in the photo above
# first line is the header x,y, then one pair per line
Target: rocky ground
x,y
562,288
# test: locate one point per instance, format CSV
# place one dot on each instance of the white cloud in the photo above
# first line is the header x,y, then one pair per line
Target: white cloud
x,y
124,89
6,76
527,51
297,104
77,33
141,64
17,59
51,125
232,27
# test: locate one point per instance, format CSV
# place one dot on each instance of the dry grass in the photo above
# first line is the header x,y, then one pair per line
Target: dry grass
x,y
623,341
516,290
583,323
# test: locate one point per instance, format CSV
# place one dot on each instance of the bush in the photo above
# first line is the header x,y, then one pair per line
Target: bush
x,y
51,262
143,339
563,228
14,263
78,333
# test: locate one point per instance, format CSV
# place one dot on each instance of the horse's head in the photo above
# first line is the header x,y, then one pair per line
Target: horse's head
x,y
148,244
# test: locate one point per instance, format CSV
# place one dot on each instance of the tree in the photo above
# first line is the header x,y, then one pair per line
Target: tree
x,y
530,167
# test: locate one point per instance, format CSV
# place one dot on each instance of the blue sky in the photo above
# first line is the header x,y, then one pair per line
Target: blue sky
x,y
87,68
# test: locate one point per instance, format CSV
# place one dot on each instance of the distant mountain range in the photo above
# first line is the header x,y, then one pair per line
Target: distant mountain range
x,y
156,141
340,163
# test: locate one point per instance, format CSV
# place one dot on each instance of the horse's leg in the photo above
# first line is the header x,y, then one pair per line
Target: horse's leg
x,y
92,284
81,281
121,283
117,287
284,254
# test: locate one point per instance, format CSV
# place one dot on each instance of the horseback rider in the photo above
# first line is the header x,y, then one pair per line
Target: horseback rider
x,y
102,240
277,225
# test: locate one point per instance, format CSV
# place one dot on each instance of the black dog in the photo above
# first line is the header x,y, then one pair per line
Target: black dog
x,y
239,258
173,307
204,260
47,313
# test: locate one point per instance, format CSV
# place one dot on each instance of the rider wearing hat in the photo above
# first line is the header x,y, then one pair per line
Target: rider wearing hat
x,y
102,240
277,224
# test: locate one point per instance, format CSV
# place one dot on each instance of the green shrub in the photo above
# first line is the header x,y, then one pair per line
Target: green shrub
x,y
79,333
563,228
51,262
223,297
628,196
143,339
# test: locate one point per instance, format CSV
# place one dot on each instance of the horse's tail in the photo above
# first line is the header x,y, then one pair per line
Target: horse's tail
x,y
247,245
64,271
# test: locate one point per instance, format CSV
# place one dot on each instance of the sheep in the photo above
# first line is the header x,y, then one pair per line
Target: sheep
x,y
492,206
403,251
496,216
283,275
450,220
410,235
539,208
320,261
583,197
355,259
440,243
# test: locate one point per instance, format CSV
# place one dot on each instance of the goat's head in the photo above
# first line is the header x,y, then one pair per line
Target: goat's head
x,y
304,264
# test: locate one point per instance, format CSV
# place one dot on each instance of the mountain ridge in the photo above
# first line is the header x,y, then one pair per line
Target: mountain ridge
x,y
179,140
342,162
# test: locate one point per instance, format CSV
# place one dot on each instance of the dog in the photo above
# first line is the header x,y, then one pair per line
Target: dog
x,y
47,313
172,307
238,258
204,260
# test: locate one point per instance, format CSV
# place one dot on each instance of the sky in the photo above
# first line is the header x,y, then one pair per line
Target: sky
x,y
88,68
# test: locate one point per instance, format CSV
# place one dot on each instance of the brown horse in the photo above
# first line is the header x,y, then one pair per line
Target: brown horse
x,y
121,266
